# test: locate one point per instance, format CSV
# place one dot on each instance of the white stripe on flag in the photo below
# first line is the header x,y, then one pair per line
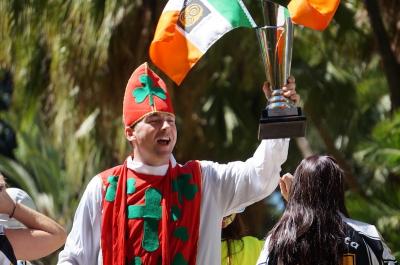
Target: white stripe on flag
x,y
174,5
209,29
281,16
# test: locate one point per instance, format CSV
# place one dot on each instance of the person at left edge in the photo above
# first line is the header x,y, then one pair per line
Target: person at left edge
x,y
153,210
19,196
40,236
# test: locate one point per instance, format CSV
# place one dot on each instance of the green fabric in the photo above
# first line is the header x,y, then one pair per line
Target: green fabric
x,y
286,12
151,213
130,185
232,11
150,236
175,212
112,188
184,188
136,261
140,93
181,232
245,253
179,259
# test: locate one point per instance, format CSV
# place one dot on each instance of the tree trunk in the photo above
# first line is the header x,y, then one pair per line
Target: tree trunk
x,y
390,64
304,147
350,179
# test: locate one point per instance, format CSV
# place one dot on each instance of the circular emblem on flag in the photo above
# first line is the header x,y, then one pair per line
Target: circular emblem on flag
x,y
191,14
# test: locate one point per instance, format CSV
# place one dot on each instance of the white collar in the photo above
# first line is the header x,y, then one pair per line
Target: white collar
x,y
149,170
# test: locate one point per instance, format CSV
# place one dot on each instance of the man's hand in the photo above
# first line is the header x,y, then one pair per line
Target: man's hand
x,y
289,90
285,184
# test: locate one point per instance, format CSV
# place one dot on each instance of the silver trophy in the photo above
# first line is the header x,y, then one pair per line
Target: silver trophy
x,y
281,118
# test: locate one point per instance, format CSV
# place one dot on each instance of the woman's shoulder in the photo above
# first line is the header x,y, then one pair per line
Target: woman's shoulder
x,y
251,240
362,228
253,245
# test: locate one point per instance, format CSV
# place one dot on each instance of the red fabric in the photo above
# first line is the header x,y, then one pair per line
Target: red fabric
x,y
121,238
133,111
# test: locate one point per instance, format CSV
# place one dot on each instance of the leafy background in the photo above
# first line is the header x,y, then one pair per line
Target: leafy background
x,y
64,66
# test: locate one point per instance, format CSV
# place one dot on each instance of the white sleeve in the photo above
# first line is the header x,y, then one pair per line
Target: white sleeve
x,y
238,184
83,242
264,255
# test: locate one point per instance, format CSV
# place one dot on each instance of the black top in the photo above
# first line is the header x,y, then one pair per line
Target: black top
x,y
7,256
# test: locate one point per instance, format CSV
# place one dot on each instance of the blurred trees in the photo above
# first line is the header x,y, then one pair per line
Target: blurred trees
x,y
71,60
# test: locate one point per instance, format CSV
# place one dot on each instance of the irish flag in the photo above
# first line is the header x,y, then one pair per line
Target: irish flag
x,y
187,28
315,14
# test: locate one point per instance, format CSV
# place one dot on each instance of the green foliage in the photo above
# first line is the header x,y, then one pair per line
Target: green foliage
x,y
380,157
380,207
71,60
381,154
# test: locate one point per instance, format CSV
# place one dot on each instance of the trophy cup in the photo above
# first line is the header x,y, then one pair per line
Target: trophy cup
x,y
281,118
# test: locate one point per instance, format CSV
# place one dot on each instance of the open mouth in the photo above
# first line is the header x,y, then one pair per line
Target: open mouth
x,y
164,141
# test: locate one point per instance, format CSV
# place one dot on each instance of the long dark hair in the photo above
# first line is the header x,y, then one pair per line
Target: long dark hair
x,y
311,230
235,231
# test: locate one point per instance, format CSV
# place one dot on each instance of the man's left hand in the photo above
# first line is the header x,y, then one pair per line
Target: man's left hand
x,y
289,90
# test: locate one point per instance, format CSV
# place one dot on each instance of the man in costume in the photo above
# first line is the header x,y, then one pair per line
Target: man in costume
x,y
152,210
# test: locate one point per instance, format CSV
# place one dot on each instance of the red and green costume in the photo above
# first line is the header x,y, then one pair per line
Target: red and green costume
x,y
149,219
145,93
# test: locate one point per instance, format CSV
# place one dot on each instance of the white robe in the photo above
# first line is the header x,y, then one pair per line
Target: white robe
x,y
226,188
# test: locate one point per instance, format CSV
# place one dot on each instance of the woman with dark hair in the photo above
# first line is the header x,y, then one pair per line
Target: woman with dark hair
x,y
236,247
314,228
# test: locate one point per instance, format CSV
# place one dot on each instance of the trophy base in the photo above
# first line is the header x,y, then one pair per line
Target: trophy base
x,y
282,126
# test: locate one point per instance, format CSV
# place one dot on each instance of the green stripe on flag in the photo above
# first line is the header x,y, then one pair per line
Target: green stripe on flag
x,y
232,11
287,14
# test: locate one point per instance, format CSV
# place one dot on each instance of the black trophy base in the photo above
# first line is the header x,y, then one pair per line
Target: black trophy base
x,y
282,126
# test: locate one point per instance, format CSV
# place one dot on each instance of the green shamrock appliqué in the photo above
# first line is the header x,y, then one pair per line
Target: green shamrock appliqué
x,y
112,188
182,233
184,188
179,259
148,89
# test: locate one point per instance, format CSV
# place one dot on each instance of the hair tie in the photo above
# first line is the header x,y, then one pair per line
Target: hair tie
x,y
13,211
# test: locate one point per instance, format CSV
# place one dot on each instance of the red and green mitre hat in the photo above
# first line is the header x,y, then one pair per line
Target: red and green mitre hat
x,y
145,93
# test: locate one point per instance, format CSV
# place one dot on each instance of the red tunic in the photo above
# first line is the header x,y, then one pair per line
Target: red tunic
x,y
151,219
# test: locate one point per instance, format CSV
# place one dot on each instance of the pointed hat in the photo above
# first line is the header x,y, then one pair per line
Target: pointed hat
x,y
145,93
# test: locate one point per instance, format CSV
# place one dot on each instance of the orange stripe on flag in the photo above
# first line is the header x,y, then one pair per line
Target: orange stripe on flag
x,y
170,50
315,14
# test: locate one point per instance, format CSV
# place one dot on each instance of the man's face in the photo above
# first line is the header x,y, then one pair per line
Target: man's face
x,y
154,138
